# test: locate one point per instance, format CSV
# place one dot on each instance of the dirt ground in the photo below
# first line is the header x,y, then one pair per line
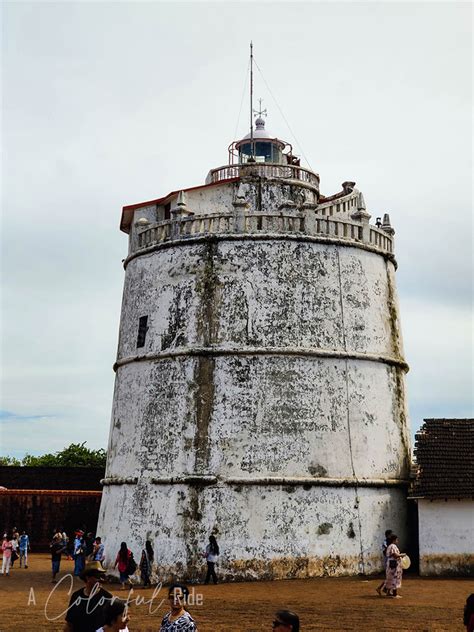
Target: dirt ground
x,y
331,604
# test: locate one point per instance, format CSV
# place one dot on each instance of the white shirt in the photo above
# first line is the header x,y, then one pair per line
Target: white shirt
x,y
211,557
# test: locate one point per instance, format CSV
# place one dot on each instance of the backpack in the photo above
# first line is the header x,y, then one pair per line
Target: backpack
x,y
131,566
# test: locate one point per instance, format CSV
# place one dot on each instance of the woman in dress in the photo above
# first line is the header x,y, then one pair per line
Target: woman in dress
x,y
178,618
211,554
7,548
15,544
122,559
146,563
393,569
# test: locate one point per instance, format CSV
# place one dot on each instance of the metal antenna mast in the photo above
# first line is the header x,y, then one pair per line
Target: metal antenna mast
x,y
252,149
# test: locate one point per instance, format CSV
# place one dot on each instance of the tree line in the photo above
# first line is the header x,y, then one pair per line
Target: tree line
x,y
75,455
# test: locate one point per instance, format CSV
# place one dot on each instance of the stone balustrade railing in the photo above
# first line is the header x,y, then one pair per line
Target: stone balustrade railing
x,y
267,170
311,224
380,239
344,204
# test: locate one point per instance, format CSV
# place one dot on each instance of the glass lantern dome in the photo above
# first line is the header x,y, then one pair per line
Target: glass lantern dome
x,y
263,147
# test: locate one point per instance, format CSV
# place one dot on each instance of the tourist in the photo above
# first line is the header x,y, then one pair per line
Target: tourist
x,y
79,553
24,547
393,569
89,545
15,544
88,606
211,554
15,539
116,617
98,552
388,533
15,534
469,613
286,621
69,546
178,618
7,548
123,560
146,563
65,539
57,548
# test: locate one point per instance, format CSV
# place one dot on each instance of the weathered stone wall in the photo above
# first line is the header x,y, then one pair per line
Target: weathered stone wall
x,y
446,537
264,531
251,415
267,404
256,292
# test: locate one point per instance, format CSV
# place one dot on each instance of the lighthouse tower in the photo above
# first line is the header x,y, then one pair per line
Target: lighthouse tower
x,y
259,389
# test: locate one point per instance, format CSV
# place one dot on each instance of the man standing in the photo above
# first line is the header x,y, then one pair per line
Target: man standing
x,y
88,606
65,542
57,547
24,547
99,553
89,545
79,552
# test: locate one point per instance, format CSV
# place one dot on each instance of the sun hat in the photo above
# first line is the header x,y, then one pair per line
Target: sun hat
x,y
406,562
93,568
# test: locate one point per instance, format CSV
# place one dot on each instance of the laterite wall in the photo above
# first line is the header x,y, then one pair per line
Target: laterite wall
x,y
41,512
43,499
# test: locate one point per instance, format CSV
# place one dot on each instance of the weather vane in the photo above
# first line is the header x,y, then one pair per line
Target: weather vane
x,y
260,112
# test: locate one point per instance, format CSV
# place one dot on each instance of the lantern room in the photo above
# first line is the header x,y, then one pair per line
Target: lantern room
x,y
260,146
263,148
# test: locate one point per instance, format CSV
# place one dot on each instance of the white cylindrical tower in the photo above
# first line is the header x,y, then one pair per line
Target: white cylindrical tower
x,y
259,387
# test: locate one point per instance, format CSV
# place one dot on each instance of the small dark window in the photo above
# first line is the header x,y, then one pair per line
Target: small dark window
x,y
142,329
168,210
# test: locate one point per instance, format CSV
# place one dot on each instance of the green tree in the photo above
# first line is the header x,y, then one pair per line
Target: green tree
x,y
75,455
9,460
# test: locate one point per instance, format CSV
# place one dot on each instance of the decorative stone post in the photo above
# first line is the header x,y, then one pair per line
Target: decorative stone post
x,y
362,216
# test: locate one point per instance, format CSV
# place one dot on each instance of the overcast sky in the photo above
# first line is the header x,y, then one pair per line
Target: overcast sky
x,y
108,104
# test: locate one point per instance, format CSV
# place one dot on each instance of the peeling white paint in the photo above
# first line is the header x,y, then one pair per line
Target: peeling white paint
x,y
264,357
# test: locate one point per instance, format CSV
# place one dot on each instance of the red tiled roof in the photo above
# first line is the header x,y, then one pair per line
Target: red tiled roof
x,y
444,453
127,211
